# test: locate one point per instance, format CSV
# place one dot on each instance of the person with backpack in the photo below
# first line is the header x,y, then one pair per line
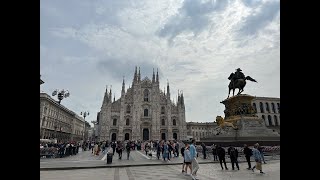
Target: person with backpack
x,y
204,150
221,155
177,149
159,147
119,149
248,153
233,153
257,158
113,145
128,148
214,152
182,153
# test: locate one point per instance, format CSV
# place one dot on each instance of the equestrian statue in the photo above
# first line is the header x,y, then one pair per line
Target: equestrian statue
x,y
238,81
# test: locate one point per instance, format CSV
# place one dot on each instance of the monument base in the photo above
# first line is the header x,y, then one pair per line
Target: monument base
x,y
250,130
241,125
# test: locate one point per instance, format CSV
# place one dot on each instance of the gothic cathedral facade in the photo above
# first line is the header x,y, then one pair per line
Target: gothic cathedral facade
x,y
143,112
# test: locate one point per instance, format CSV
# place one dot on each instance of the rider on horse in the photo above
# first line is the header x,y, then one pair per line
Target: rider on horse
x,y
238,75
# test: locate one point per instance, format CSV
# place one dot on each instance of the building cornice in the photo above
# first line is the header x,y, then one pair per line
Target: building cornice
x,y
267,98
46,97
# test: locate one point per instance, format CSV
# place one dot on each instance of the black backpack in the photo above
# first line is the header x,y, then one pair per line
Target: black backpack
x,y
233,152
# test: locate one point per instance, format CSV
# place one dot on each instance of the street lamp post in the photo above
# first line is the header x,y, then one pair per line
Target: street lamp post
x,y
61,94
85,114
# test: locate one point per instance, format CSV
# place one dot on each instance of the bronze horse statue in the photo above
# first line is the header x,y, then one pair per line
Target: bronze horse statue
x,y
238,83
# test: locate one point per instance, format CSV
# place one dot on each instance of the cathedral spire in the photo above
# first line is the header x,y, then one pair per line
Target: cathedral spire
x,y
153,76
139,76
157,78
123,91
168,89
182,99
110,94
135,75
105,98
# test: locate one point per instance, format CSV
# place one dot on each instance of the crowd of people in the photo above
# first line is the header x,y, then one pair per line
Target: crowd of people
x,y
165,150
58,150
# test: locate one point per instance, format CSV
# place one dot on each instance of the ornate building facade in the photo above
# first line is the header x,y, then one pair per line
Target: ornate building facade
x,y
58,122
268,108
143,112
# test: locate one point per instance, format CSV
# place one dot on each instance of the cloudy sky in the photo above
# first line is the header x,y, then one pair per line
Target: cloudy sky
x,y
196,44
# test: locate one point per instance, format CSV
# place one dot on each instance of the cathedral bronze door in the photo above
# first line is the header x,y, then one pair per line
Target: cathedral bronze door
x,y
145,134
175,136
113,137
163,136
126,136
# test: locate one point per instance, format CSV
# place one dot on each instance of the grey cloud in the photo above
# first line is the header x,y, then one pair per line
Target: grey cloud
x,y
254,23
251,3
118,68
77,13
192,16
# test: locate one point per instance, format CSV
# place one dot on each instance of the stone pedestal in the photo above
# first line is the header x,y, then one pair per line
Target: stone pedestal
x,y
250,128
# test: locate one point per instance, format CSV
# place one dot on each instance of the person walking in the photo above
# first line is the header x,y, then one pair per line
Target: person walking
x,y
260,148
233,153
194,162
214,152
177,147
248,153
182,154
204,150
187,159
165,153
221,154
119,149
128,148
257,158
113,145
158,150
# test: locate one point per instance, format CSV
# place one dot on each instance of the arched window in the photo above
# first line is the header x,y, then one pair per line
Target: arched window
x,y
261,107
270,121
273,108
267,107
174,122
146,112
163,122
278,104
162,110
146,95
128,109
127,122
114,122
276,120
263,117
255,107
